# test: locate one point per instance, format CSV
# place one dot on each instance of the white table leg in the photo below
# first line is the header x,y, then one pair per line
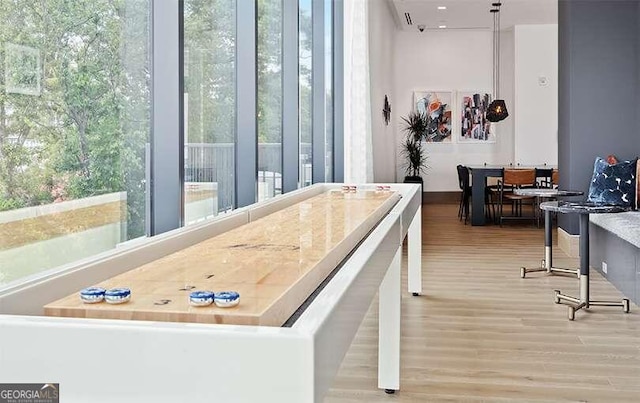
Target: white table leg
x,y
415,254
389,327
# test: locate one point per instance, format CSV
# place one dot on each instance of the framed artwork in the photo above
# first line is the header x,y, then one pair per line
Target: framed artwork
x,y
474,126
22,69
437,105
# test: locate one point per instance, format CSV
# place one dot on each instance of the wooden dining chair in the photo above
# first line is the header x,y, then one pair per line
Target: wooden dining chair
x,y
555,178
516,179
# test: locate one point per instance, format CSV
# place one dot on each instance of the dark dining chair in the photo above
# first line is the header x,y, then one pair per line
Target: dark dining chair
x,y
465,193
550,178
544,177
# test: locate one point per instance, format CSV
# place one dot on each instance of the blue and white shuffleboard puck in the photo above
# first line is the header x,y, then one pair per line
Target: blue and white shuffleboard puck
x,y
226,299
92,295
201,298
117,295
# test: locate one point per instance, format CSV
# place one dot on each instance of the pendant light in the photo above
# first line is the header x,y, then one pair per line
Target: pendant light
x,y
497,110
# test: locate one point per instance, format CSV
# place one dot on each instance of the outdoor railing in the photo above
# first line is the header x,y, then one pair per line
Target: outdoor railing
x,y
207,162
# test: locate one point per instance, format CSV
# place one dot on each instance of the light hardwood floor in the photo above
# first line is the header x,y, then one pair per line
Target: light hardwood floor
x,y
481,333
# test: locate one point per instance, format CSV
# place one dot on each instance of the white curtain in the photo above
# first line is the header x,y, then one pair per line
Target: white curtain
x,y
358,143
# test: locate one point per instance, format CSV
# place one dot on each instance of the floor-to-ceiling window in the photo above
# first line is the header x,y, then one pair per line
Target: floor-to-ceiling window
x,y
328,83
269,66
74,124
84,144
305,51
209,107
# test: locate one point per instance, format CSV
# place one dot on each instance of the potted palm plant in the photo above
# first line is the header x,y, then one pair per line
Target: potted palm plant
x,y
416,126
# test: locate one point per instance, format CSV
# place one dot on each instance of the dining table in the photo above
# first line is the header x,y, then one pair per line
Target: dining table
x,y
479,175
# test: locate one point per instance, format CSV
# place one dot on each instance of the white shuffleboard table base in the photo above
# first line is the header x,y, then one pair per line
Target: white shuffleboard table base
x,y
136,361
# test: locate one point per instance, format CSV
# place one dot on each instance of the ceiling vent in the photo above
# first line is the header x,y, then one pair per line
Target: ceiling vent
x,y
407,16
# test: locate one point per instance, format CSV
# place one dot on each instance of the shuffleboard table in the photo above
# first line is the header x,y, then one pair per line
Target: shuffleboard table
x,y
306,264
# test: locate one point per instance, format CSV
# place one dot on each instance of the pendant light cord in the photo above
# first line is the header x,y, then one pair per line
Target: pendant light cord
x,y
493,37
494,12
498,54
497,110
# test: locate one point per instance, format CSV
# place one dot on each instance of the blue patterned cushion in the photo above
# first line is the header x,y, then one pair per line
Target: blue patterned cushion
x,y
613,184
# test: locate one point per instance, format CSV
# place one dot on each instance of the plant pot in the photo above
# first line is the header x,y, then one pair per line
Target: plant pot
x,y
415,179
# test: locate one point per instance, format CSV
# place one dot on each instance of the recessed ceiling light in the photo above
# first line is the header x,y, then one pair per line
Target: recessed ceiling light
x,y
442,26
442,7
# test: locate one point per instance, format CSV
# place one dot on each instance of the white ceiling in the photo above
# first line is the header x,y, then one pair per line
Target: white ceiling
x,y
473,14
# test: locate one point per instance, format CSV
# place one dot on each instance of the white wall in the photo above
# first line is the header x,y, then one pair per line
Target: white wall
x,y
536,122
382,32
507,84
459,60
455,60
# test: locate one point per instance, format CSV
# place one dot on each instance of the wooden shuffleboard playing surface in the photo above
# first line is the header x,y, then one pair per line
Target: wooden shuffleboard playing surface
x,y
274,262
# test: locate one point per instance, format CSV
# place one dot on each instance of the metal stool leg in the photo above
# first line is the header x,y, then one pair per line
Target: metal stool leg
x,y
547,263
584,302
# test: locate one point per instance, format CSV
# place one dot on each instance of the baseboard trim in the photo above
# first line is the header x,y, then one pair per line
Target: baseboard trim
x,y
441,197
568,243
